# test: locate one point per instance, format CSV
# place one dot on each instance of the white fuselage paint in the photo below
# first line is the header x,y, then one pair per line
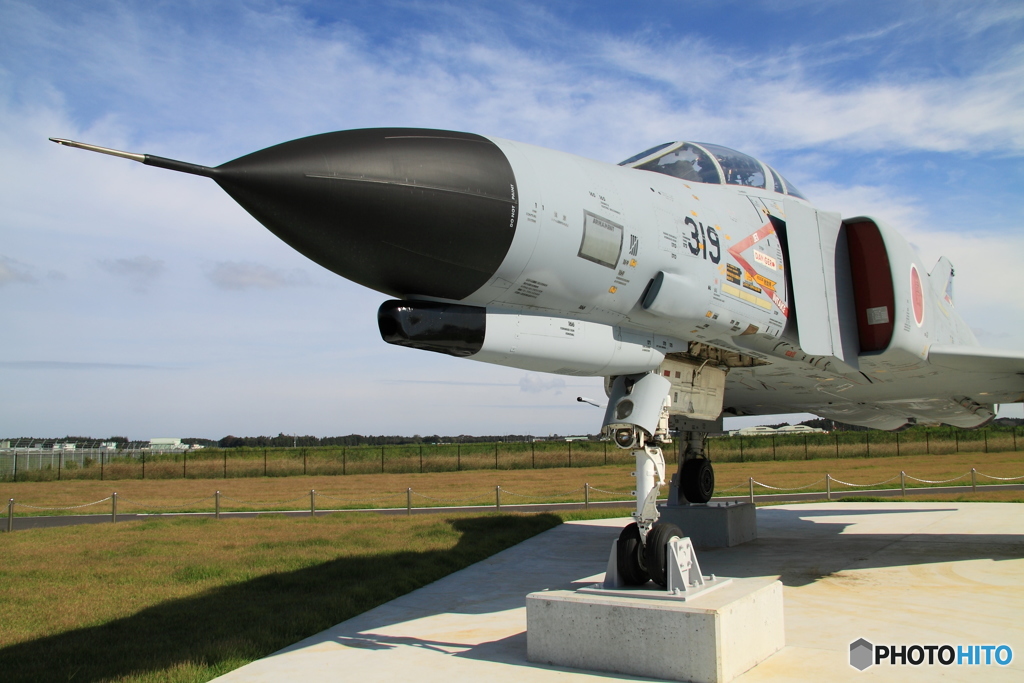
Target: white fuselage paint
x,y
591,237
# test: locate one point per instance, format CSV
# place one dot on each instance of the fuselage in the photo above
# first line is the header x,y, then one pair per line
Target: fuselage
x,y
685,257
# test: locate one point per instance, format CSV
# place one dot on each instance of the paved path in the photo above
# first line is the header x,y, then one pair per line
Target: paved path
x,y
893,573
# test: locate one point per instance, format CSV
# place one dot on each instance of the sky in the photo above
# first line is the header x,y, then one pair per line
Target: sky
x,y
144,303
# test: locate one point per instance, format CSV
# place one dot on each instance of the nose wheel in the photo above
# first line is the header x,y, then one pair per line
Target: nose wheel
x,y
632,561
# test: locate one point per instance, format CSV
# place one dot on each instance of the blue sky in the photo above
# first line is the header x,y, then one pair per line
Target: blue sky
x,y
146,303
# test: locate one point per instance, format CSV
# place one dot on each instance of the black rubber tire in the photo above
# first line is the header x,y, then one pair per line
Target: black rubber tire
x,y
698,480
657,551
631,561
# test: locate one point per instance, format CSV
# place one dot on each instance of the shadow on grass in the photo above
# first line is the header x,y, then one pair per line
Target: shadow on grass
x,y
228,626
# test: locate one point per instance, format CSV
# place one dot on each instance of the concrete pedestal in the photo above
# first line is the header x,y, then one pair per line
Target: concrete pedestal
x,y
714,525
710,639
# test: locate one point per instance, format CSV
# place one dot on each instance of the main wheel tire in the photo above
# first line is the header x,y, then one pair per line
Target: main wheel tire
x,y
698,480
631,561
657,551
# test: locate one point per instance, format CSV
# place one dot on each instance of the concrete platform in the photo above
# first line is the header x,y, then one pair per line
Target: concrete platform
x,y
710,638
892,573
714,525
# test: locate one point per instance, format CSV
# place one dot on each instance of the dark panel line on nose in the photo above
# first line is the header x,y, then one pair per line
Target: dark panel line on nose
x,y
433,257
416,186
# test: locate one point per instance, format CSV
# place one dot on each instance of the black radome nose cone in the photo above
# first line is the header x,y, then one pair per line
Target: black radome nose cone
x,y
407,212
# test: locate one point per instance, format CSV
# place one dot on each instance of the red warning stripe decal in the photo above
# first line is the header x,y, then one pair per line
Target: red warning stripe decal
x,y
744,244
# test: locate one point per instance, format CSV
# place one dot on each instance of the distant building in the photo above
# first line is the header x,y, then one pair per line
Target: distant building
x,y
167,445
759,430
800,429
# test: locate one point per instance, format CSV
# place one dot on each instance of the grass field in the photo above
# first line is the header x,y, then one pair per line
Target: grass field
x,y
186,599
179,600
478,487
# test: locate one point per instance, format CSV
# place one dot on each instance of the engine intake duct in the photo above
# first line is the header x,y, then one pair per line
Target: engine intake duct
x,y
432,326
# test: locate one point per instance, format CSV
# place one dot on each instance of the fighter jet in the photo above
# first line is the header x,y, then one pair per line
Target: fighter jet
x,y
695,279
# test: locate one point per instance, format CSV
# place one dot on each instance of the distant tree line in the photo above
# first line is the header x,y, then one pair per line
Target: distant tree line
x,y
290,440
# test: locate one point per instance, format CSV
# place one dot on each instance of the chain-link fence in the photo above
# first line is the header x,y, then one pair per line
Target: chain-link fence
x,y
208,463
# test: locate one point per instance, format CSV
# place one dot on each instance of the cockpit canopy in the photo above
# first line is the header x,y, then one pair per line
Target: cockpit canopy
x,y
700,162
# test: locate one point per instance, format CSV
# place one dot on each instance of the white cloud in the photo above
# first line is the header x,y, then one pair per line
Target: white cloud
x,y
12,271
235,275
139,271
533,383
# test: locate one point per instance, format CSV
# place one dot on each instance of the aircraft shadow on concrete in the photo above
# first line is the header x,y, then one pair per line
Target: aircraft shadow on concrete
x,y
238,622
800,548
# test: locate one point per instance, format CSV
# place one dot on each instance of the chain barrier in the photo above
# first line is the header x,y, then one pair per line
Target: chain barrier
x,y
798,488
989,476
451,500
304,496
944,481
864,486
552,495
150,506
357,500
70,507
611,493
476,500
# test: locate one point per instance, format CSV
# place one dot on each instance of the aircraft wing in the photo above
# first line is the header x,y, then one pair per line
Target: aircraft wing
x,y
976,360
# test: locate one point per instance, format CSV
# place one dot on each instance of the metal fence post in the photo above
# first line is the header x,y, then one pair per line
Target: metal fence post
x,y
903,483
741,448
956,438
974,480
312,502
113,507
774,456
867,443
828,486
586,496
143,464
408,501
216,505
836,434
986,440
10,515
60,460
497,497
750,480
101,465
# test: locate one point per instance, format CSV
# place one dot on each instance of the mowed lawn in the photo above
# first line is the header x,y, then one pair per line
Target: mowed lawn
x,y
565,484
189,599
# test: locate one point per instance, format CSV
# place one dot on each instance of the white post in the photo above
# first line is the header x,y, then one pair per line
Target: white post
x,y
828,486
